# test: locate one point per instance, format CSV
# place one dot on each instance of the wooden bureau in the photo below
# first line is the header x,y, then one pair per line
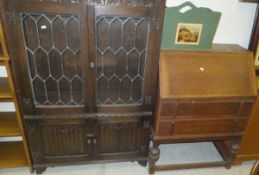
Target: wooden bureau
x,y
203,96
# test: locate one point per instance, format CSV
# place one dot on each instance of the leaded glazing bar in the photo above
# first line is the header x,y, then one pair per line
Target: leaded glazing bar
x,y
121,50
53,49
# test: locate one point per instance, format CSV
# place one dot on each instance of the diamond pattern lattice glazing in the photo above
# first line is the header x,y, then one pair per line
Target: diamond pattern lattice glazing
x,y
53,50
121,44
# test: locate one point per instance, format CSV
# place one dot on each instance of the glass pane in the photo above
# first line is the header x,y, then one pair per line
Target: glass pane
x,y
121,59
53,47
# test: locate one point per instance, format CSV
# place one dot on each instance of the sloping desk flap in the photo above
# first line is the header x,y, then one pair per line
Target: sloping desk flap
x,y
206,74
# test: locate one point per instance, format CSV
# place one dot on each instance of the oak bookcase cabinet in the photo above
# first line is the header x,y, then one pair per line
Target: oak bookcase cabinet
x,y
86,74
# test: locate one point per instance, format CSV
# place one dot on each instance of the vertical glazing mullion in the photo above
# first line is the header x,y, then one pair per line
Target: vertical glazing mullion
x,y
145,62
39,47
79,49
135,31
38,35
123,22
131,99
51,30
96,53
110,50
62,58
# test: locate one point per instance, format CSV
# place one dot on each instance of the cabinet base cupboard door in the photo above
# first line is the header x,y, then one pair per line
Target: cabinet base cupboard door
x,y
86,74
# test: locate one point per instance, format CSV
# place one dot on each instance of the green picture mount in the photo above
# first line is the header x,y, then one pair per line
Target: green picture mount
x,y
174,21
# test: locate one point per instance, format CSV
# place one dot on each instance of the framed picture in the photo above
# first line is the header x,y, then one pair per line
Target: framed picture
x,y
188,33
254,44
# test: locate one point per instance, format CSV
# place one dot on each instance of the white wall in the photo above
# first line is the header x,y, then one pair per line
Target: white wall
x,y
236,21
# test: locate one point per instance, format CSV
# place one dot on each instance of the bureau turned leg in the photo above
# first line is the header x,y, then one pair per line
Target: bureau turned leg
x,y
234,147
153,156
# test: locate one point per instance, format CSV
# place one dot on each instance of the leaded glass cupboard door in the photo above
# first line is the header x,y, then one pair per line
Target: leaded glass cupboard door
x,y
125,71
53,54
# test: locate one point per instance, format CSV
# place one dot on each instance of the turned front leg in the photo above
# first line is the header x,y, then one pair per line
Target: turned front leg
x,y
153,156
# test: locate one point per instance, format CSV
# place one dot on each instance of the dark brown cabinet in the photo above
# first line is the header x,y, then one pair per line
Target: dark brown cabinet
x,y
56,141
88,138
114,137
86,73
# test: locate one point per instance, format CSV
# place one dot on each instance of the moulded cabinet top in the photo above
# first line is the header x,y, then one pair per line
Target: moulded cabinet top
x,y
207,74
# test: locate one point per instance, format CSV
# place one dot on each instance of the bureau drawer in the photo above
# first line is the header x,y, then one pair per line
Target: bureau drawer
x,y
202,127
205,109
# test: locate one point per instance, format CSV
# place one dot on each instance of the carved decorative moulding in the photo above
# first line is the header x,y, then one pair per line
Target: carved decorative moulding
x,y
145,3
132,3
56,1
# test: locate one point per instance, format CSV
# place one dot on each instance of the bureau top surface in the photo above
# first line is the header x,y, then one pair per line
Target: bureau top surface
x,y
206,74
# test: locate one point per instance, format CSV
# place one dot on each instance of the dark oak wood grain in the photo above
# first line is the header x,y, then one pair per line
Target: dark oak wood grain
x,y
86,73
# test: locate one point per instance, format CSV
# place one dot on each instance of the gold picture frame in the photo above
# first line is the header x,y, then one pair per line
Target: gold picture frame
x,y
188,33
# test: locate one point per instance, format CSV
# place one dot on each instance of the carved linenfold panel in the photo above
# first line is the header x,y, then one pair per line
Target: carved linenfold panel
x,y
63,140
145,3
118,138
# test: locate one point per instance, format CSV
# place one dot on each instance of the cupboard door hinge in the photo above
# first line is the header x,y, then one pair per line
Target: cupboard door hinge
x,y
148,100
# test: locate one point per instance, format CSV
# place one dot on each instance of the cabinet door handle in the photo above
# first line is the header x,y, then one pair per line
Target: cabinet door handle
x,y
94,141
88,141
